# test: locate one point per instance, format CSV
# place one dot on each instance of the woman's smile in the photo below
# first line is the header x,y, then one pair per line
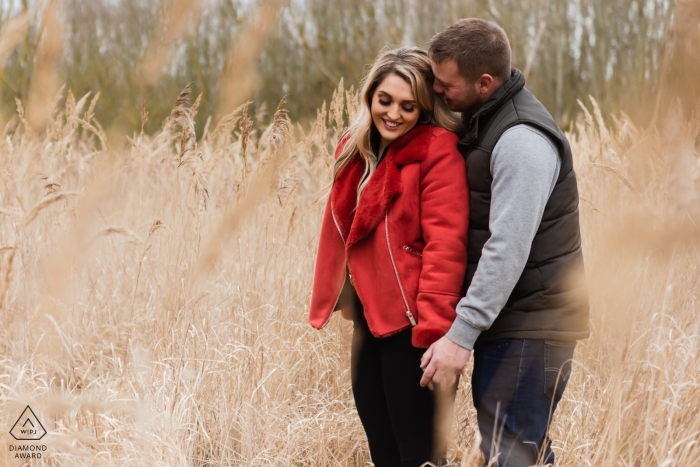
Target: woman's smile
x,y
391,126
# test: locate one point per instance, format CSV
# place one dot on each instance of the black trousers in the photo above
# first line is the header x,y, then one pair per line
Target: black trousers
x,y
396,412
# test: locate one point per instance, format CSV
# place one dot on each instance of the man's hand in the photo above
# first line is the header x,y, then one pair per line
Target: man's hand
x,y
442,363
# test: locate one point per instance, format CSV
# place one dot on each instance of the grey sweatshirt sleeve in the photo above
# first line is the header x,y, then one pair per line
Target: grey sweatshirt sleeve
x,y
525,167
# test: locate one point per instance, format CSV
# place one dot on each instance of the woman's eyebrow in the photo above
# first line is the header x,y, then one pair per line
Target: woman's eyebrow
x,y
391,97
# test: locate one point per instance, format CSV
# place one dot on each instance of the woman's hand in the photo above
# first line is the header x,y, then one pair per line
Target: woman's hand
x,y
347,313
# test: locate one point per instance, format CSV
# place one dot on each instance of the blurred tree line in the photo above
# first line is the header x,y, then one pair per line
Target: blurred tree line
x,y
614,50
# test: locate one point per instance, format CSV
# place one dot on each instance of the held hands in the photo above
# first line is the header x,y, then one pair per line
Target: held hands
x,y
442,363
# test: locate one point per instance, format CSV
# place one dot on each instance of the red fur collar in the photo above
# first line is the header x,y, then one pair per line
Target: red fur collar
x,y
385,184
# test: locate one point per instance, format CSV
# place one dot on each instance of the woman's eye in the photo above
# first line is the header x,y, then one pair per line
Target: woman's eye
x,y
385,103
408,109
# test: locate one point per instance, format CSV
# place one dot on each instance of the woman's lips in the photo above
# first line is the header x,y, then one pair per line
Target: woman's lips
x,y
394,127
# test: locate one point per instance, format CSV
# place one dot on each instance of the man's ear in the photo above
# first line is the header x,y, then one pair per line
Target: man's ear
x,y
485,83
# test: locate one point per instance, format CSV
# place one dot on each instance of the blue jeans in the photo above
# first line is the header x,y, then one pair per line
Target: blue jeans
x,y
516,386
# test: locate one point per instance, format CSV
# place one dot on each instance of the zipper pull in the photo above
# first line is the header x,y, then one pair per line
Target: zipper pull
x,y
411,318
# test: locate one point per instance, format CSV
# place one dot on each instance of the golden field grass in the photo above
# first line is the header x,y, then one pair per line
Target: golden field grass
x,y
153,294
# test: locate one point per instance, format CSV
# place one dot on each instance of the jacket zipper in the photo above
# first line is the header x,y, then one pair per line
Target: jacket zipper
x,y
396,271
335,221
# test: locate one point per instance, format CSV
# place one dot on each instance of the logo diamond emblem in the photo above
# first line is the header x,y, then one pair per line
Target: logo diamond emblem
x,y
28,427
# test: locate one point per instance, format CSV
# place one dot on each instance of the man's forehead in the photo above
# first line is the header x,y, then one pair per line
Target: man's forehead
x,y
446,70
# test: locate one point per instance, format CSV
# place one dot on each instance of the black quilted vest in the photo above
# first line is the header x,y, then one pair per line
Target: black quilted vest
x,y
550,300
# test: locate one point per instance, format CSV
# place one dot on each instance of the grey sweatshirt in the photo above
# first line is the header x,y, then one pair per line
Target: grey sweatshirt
x,y
525,166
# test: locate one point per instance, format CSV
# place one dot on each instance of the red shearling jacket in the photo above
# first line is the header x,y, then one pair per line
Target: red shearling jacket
x,y
405,244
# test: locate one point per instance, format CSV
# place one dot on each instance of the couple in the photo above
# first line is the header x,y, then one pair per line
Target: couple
x,y
418,216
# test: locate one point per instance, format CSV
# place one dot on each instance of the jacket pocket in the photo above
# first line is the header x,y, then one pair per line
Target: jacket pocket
x,y
412,250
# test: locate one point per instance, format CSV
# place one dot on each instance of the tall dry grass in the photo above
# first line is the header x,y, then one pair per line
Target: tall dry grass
x,y
154,297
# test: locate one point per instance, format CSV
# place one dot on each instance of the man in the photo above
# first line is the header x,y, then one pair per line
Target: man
x,y
526,302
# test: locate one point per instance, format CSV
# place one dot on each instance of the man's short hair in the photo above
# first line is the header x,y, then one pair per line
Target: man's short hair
x,y
476,45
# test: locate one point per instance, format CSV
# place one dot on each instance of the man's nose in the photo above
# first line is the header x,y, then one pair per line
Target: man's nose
x,y
437,88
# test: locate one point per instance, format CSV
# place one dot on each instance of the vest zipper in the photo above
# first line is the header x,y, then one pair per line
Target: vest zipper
x,y
396,271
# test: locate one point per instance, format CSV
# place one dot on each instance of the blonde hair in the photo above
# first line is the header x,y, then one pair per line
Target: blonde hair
x,y
412,65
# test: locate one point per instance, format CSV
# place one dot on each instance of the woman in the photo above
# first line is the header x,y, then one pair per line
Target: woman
x,y
392,251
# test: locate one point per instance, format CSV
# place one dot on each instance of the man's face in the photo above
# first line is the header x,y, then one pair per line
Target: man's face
x,y
460,94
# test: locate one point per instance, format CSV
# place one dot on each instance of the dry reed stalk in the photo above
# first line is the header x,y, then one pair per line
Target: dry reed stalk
x,y
111,230
279,128
336,110
246,126
157,224
352,102
13,33
6,212
222,131
20,112
144,115
619,175
51,186
44,82
176,17
239,78
46,202
7,272
95,128
73,108
195,106
326,147
91,109
180,115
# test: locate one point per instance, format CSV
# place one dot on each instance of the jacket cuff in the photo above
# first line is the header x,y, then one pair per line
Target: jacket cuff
x,y
463,333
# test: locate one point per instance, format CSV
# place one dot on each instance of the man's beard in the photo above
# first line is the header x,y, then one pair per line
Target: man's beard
x,y
468,106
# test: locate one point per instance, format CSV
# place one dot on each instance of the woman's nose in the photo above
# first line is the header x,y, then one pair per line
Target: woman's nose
x,y
393,112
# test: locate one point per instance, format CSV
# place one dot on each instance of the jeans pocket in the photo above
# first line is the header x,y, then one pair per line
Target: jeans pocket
x,y
557,368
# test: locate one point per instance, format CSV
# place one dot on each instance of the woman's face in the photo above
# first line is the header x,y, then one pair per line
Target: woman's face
x,y
394,109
